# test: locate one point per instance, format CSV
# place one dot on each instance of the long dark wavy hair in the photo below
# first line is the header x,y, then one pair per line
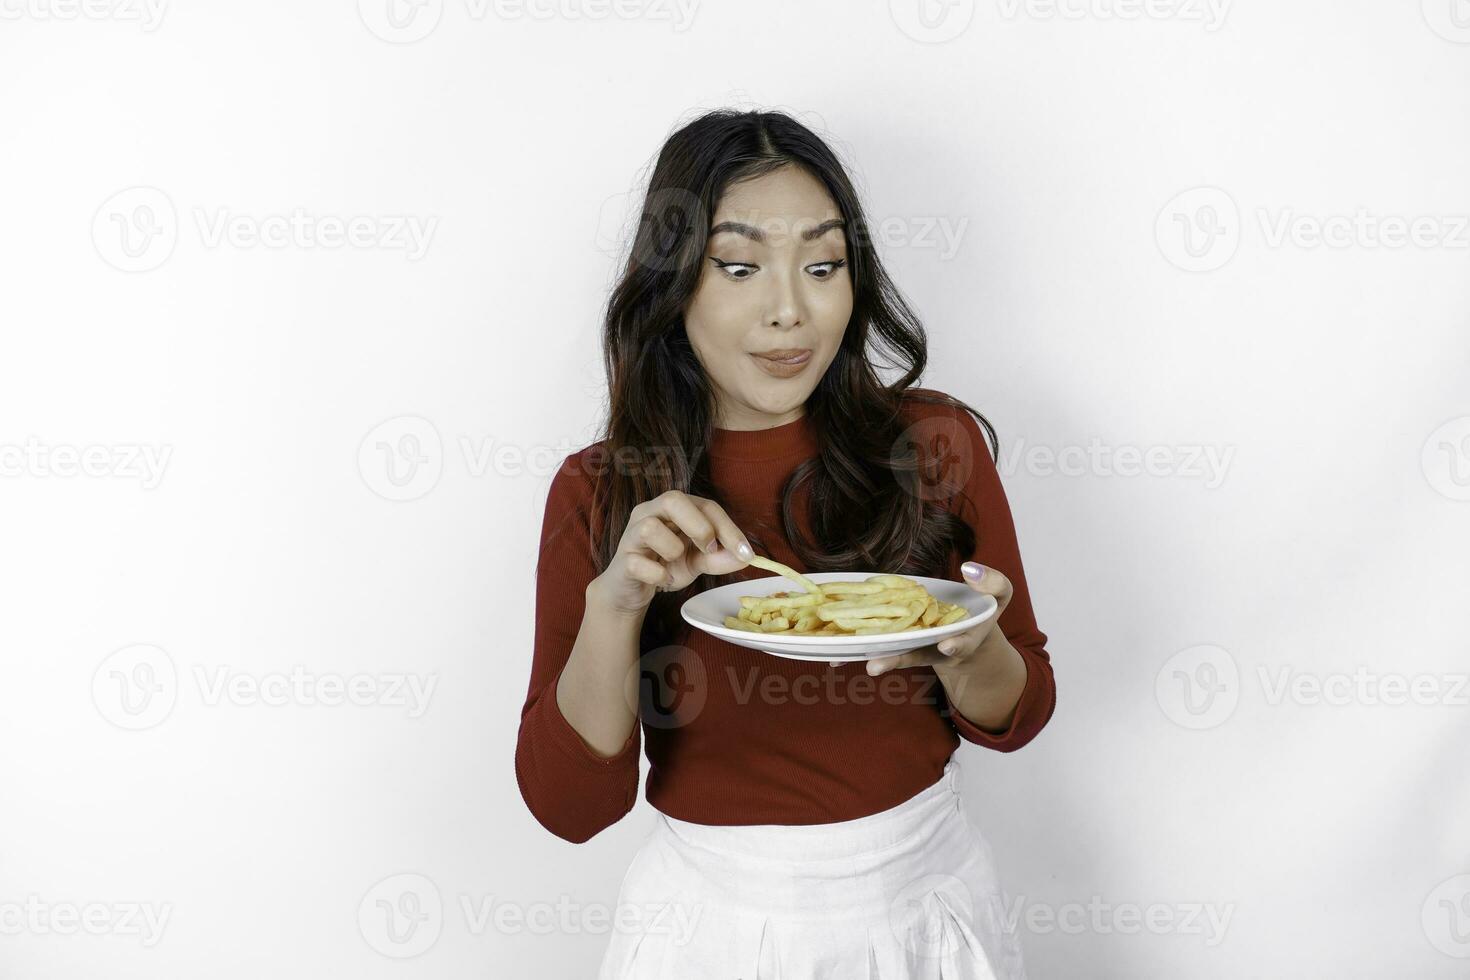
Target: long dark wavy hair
x,y
661,409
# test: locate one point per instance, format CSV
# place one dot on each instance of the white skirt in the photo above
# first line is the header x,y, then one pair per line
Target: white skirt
x,y
910,893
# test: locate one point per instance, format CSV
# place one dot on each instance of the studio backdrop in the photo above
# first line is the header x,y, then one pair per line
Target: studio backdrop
x,y
301,311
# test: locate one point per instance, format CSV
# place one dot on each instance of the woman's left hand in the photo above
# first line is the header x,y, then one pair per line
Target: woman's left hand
x,y
954,655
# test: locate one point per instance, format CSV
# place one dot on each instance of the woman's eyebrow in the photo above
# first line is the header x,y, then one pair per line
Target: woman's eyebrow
x,y
756,235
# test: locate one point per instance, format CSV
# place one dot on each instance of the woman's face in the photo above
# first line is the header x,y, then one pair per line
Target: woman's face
x,y
774,279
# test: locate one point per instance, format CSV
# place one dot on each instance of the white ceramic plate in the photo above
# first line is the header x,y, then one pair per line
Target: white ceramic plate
x,y
708,610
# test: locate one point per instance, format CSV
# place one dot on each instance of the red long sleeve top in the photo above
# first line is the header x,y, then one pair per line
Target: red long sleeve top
x,y
770,740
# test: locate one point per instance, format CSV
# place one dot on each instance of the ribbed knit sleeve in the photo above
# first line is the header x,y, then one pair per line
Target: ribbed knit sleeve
x,y
573,791
982,504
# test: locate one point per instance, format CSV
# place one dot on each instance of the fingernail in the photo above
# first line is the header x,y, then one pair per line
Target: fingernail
x,y
973,570
743,550
946,648
874,668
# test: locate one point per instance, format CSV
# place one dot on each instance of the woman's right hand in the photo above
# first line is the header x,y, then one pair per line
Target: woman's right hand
x,y
669,541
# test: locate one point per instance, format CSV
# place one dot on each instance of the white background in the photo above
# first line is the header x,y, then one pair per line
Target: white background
x,y
1054,145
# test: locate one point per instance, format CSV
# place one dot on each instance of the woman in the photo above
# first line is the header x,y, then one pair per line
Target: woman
x,y
810,819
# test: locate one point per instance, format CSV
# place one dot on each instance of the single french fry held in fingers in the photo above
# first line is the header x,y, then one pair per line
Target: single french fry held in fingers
x,y
761,561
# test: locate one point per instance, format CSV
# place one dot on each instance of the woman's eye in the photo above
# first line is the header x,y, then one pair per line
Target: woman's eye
x,y
832,271
737,267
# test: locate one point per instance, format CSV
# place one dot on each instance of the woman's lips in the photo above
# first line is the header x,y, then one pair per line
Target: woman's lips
x,y
785,368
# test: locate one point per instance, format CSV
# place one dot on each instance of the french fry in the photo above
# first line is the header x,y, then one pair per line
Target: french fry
x,y
954,615
760,561
881,604
878,604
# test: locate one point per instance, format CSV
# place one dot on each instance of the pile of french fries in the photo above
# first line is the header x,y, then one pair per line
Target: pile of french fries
x,y
878,604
